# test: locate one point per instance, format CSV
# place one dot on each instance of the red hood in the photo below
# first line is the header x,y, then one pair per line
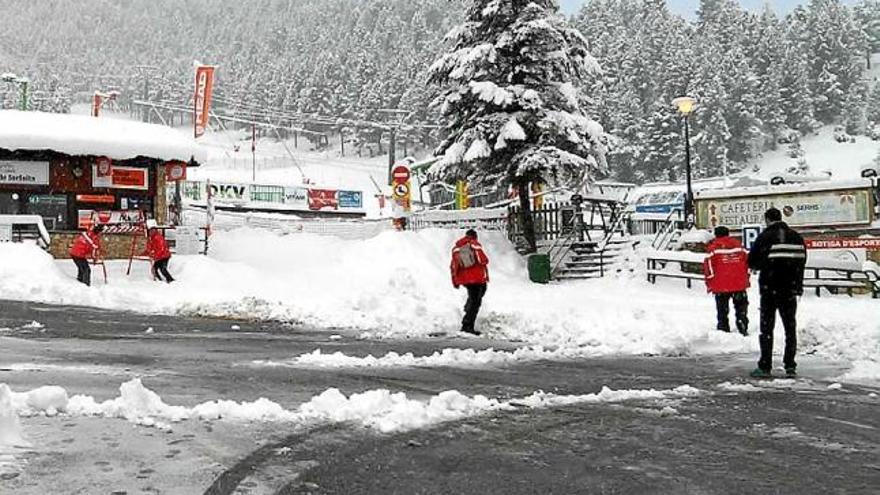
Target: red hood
x,y
466,240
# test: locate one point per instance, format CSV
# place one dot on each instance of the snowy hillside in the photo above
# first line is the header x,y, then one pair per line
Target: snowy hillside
x,y
844,161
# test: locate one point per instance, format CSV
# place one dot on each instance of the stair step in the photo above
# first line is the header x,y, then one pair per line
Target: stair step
x,y
577,276
582,269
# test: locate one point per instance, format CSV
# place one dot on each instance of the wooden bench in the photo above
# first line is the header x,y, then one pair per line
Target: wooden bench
x,y
659,260
832,275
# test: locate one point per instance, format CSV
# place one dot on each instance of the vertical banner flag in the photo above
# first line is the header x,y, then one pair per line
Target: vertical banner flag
x,y
202,98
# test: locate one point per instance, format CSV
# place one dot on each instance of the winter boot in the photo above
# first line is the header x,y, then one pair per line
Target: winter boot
x,y
790,373
471,331
759,373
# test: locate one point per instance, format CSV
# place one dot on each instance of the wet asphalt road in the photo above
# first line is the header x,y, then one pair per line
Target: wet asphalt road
x,y
791,437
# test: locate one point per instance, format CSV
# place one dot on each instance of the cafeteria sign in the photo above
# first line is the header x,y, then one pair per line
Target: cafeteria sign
x,y
825,208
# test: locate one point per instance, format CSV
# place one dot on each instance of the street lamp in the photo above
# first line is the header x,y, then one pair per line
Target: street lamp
x,y
685,106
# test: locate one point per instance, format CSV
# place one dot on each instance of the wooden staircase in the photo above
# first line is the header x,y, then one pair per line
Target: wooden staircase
x,y
587,260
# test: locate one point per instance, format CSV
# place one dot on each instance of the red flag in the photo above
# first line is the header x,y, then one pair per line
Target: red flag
x,y
202,99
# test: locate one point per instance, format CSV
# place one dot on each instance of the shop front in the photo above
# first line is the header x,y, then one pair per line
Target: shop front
x,y
73,171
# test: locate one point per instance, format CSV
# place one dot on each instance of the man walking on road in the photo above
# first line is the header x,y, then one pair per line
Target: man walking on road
x,y
470,269
727,276
780,255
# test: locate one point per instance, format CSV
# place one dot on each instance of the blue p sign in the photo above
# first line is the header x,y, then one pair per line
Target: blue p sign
x,y
750,235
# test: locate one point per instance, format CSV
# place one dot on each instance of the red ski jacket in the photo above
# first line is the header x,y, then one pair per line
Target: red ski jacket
x,y
86,245
157,248
727,267
478,273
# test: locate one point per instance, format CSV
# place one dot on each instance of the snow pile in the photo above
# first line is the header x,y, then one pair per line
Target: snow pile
x,y
451,357
388,412
378,409
10,429
863,370
85,135
397,285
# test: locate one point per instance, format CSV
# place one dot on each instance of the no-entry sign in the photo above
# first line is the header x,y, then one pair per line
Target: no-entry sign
x,y
400,174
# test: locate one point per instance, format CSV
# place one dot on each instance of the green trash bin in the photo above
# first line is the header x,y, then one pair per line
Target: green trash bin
x,y
539,268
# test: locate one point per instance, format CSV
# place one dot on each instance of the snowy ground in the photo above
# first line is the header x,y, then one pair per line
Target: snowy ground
x,y
397,285
147,403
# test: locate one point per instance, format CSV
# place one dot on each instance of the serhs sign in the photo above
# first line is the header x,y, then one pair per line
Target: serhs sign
x,y
202,100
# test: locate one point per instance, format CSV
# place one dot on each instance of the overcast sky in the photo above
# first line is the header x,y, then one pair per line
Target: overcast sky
x,y
688,7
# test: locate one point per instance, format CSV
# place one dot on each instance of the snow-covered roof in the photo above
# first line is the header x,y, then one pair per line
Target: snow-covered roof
x,y
85,135
784,189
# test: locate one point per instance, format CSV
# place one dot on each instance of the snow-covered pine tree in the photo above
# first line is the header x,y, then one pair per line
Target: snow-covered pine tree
x,y
509,91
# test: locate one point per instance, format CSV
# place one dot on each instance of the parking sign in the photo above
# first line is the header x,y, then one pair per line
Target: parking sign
x,y
750,235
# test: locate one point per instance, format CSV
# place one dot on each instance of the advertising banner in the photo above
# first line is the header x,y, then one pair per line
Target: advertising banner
x,y
204,92
297,197
350,199
122,178
870,243
24,173
320,199
226,193
823,208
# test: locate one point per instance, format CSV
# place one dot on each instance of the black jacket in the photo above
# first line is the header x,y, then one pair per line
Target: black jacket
x,y
781,255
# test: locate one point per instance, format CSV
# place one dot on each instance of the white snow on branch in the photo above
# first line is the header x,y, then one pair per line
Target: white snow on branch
x,y
491,92
479,149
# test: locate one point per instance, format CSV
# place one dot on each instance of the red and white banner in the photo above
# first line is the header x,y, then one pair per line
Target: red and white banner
x,y
202,98
844,243
122,178
322,198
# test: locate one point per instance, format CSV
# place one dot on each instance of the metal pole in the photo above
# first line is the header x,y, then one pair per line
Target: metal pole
x,y
391,153
689,199
254,150
24,95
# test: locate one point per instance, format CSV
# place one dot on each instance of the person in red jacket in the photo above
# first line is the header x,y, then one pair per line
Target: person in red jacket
x,y
157,250
469,268
86,246
727,276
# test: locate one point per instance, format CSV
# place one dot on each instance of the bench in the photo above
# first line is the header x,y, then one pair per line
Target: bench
x,y
659,260
835,276
26,227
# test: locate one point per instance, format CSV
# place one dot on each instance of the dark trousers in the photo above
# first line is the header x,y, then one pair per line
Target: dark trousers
x,y
472,307
83,271
160,269
786,306
740,310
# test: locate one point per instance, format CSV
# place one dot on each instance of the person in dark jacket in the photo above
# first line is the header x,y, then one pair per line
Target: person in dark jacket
x,y
86,246
780,254
470,268
727,276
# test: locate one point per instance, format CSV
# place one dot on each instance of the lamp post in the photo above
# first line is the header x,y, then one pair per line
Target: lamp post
x,y
685,106
23,84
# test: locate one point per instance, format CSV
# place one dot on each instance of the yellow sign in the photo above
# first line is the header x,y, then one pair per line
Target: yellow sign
x,y
462,195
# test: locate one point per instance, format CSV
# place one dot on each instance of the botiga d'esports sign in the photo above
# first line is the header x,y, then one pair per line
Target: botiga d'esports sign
x,y
807,209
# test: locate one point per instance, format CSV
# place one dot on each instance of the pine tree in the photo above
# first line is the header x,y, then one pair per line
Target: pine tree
x,y
509,92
